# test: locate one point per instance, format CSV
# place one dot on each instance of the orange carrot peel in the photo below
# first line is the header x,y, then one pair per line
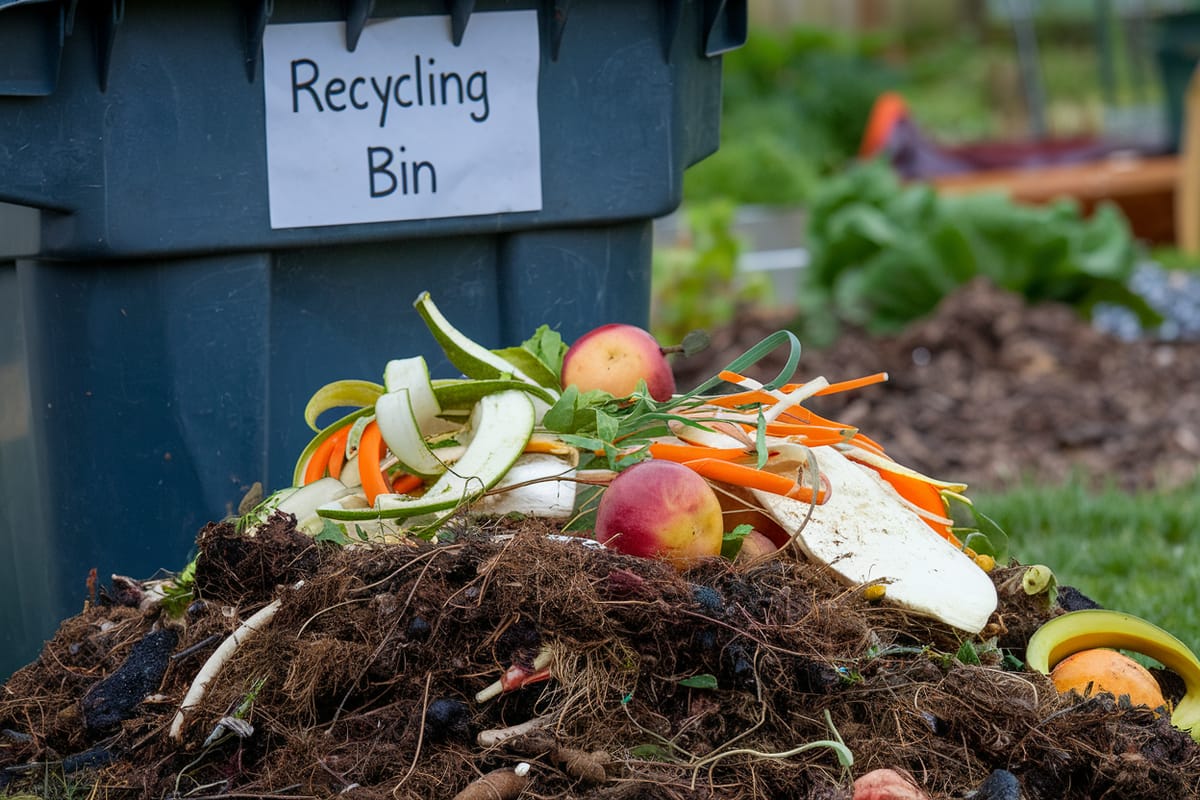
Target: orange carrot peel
x,y
323,459
370,456
753,478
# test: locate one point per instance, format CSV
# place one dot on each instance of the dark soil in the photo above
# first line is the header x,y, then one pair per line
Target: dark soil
x,y
990,391
364,684
661,684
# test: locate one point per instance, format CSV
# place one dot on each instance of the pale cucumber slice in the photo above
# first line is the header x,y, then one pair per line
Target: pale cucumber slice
x,y
401,431
499,429
475,360
413,374
458,394
305,500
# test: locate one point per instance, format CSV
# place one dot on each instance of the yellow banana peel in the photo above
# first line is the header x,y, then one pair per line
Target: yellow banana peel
x,y
1092,628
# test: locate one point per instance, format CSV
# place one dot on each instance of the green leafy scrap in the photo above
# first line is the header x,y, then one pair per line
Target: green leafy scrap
x,y
333,533
975,529
540,356
596,421
701,681
731,542
180,591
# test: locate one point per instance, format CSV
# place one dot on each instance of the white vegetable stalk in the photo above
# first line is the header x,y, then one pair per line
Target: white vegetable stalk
x,y
212,667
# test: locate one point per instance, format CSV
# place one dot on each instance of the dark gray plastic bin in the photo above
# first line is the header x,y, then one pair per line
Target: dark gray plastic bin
x,y
171,335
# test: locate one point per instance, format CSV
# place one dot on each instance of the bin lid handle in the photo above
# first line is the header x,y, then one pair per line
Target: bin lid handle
x,y
460,14
726,26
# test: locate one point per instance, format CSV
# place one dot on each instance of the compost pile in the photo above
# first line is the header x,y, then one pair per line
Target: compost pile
x,y
626,677
363,685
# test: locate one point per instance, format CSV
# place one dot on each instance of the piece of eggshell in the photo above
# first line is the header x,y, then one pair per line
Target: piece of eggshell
x,y
865,533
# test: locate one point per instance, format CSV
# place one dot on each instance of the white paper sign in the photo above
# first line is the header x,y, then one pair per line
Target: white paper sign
x,y
407,126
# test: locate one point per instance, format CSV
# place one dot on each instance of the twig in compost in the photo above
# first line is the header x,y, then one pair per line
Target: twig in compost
x,y
420,736
195,648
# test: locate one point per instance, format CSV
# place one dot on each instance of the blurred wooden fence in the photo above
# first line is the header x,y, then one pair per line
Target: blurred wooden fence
x,y
874,14
863,14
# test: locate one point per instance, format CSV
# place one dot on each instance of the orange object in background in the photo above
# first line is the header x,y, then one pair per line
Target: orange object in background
x,y
1141,181
888,110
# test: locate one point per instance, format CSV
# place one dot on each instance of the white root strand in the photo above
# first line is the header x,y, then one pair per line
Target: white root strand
x,y
212,667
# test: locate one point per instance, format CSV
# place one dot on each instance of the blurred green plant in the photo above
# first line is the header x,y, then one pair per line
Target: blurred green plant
x,y
883,253
1172,258
795,105
696,284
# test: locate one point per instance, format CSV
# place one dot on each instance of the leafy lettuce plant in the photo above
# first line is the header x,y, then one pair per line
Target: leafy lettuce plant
x,y
884,254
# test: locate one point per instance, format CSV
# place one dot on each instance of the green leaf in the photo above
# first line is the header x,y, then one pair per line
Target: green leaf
x,y
701,681
976,530
332,532
731,542
606,426
695,342
180,591
548,346
650,752
540,356
967,654
995,535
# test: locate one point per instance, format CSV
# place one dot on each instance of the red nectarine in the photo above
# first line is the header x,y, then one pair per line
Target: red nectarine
x,y
614,358
660,509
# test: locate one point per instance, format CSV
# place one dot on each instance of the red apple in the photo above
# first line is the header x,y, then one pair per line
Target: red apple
x,y
660,509
614,358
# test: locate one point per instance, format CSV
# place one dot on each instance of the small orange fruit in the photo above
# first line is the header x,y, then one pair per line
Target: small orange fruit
x,y
1102,670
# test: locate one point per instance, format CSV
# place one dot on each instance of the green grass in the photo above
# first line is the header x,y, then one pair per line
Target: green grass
x,y
1138,553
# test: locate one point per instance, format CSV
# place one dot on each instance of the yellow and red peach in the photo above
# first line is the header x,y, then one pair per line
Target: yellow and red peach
x,y
660,509
613,358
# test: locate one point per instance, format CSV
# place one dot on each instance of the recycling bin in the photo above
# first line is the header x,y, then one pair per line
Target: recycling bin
x,y
237,202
